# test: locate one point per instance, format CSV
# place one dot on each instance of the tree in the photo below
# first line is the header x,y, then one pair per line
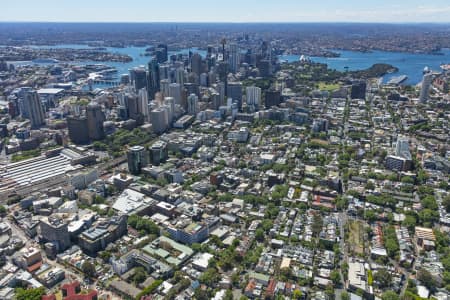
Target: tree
x,y
390,295
286,273
30,294
410,222
228,295
88,269
210,277
148,290
105,255
317,224
383,278
201,294
139,275
2,210
297,294
335,276
446,203
427,279
259,235
429,202
345,296
407,180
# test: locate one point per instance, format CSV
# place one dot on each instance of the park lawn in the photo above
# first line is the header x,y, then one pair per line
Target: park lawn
x,y
328,86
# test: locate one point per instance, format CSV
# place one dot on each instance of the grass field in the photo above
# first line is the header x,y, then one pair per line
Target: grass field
x,y
356,230
328,86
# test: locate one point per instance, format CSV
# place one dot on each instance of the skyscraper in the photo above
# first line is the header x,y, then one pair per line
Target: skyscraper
x,y
175,92
272,98
32,104
160,120
158,153
164,53
78,129
359,89
137,158
179,76
153,78
425,89
253,96
234,59
138,77
95,119
196,64
143,104
234,91
193,105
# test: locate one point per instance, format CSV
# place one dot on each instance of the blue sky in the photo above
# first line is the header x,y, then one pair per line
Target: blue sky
x,y
226,11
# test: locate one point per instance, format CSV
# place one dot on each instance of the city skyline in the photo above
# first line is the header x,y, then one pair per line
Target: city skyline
x,y
287,11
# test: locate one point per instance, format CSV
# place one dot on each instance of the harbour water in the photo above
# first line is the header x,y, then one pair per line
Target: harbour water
x,y
409,64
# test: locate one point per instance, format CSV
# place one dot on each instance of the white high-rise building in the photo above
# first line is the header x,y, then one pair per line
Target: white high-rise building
x,y
164,86
175,92
253,96
193,104
179,76
401,146
160,120
426,83
143,104
169,102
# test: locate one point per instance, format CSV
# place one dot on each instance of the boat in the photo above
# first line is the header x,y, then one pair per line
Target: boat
x,y
398,79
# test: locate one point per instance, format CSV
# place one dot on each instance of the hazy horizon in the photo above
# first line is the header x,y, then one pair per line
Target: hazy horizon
x,y
231,11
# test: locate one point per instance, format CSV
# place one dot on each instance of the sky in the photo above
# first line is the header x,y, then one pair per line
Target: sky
x,y
383,11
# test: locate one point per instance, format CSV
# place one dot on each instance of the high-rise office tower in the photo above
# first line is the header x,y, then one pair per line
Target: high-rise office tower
x,y
169,103
234,91
192,88
143,104
139,78
32,104
204,79
153,78
95,119
175,91
132,104
220,88
196,64
265,68
164,71
215,101
137,159
359,89
159,119
78,129
425,89
253,96
234,58
164,53
165,83
193,104
272,98
179,76
158,153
